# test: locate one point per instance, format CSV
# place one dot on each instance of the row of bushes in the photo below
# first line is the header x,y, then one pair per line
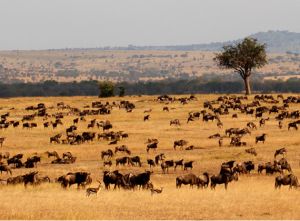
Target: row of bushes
x,y
91,88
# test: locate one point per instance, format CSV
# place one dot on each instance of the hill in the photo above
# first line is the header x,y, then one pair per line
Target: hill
x,y
277,41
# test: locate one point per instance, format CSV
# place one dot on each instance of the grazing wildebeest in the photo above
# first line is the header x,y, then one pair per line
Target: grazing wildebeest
x,y
190,179
30,178
261,138
147,117
289,179
281,151
32,161
292,125
55,138
114,177
15,180
284,165
228,164
16,124
251,125
175,122
122,161
251,151
113,142
95,190
46,124
52,154
123,148
109,153
166,109
178,163
204,180
179,143
151,163
244,168
262,121
159,157
156,191
152,145
79,178
75,121
108,163
225,176
5,168
136,161
234,116
269,167
166,164
2,139
140,179
188,164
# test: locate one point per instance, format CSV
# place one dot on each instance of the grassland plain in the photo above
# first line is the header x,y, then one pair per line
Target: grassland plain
x,y
252,197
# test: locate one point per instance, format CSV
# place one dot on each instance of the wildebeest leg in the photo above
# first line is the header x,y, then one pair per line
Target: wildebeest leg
x,y
226,184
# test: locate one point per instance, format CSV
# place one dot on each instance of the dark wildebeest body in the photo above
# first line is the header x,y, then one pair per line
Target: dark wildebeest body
x,y
114,177
136,161
79,178
165,165
123,148
289,179
179,143
188,179
224,177
178,163
140,180
281,151
109,153
261,138
152,145
188,164
5,168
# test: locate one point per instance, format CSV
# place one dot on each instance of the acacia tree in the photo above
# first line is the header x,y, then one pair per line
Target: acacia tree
x,y
243,57
106,89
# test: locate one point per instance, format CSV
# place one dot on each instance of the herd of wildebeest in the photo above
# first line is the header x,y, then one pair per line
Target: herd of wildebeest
x,y
261,108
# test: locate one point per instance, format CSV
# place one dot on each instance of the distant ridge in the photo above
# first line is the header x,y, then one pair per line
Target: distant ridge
x,y
277,41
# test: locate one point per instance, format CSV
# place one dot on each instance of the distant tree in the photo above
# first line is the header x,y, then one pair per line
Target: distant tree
x,y
121,91
243,57
106,89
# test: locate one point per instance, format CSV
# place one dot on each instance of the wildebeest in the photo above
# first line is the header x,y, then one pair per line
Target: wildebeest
x,y
136,161
178,163
244,168
159,157
152,145
5,168
188,179
175,122
166,164
147,117
52,154
30,178
281,151
79,178
261,138
151,163
188,164
15,180
56,138
292,125
109,163
140,179
123,148
109,153
2,139
122,161
114,177
289,179
251,151
204,180
269,167
224,177
179,143
251,125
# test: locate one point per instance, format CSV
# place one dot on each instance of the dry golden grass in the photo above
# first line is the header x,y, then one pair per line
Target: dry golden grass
x,y
252,197
38,64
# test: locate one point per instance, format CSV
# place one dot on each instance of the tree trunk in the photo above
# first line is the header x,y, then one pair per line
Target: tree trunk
x,y
247,85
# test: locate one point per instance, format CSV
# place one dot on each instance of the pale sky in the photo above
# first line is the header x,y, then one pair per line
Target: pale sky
x,y
46,24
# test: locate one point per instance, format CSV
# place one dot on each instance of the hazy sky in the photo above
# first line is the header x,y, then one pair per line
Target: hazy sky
x,y
42,24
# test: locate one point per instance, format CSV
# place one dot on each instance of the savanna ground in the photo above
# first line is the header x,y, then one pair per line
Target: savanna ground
x,y
85,64
252,197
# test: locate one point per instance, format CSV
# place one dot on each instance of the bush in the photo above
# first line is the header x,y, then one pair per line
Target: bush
x,y
106,89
